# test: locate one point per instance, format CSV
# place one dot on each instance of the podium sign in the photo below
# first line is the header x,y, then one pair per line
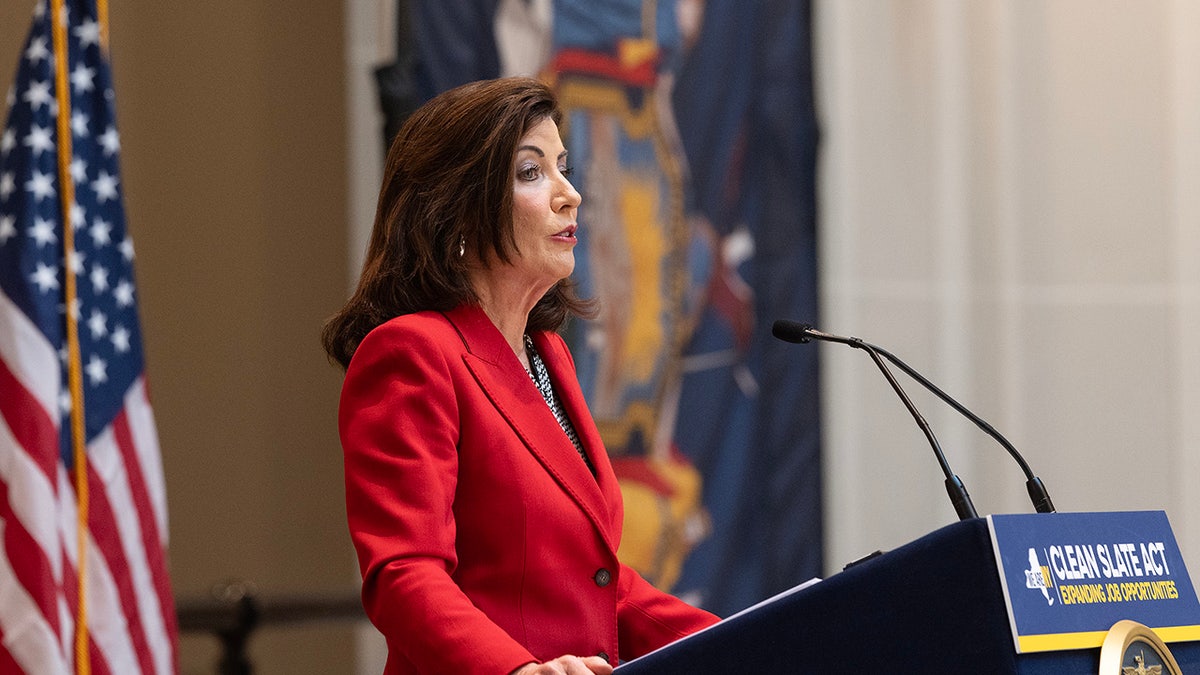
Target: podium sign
x,y
1068,577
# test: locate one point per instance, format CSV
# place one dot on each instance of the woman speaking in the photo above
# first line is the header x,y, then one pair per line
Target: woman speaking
x,y
480,499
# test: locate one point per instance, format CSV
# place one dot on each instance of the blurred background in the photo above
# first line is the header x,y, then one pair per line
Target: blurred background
x,y
1005,197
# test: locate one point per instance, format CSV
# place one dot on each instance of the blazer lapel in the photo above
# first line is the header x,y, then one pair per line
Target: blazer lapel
x,y
566,384
496,368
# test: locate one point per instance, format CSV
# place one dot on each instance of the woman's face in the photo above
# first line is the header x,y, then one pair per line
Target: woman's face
x,y
545,207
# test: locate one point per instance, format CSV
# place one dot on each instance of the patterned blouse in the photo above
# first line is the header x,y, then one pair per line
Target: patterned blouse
x,y
541,378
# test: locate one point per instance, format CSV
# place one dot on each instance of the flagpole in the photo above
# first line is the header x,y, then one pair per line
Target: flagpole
x,y
74,358
102,19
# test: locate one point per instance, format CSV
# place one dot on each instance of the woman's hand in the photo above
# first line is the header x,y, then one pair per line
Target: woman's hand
x,y
567,665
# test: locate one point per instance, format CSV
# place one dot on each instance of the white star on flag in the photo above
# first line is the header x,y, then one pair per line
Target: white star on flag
x,y
99,279
120,339
41,185
37,50
46,277
88,33
75,261
127,249
123,293
97,370
110,141
81,78
42,232
39,140
97,323
105,187
8,228
79,124
78,170
100,232
78,215
38,94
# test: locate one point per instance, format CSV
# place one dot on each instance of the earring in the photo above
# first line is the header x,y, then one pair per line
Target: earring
x,y
462,246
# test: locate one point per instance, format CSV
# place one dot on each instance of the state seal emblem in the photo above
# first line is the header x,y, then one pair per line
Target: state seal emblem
x,y
1131,648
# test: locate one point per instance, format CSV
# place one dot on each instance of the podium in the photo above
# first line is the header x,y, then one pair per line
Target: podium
x,y
932,606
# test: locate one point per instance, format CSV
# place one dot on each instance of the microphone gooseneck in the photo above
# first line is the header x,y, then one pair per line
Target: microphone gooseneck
x,y
792,331
1038,494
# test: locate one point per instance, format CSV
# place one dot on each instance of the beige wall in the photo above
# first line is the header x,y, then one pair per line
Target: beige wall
x,y
1009,202
232,122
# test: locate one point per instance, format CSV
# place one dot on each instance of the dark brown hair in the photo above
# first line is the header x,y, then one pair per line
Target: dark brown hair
x,y
448,181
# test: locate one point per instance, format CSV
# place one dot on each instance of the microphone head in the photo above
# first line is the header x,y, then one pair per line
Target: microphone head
x,y
791,331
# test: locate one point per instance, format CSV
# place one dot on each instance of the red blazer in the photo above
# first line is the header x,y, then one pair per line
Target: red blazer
x,y
484,541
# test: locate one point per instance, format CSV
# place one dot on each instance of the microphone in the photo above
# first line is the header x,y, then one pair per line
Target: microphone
x,y
791,331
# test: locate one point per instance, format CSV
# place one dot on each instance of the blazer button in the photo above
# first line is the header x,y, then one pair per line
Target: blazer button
x,y
603,655
602,577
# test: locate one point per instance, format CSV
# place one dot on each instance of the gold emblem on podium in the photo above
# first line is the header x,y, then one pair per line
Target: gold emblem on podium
x,y
1131,648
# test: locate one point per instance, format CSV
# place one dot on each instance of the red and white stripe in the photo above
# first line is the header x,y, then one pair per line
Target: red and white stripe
x,y
130,613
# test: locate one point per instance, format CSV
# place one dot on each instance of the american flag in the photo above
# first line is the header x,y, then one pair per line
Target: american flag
x,y
130,616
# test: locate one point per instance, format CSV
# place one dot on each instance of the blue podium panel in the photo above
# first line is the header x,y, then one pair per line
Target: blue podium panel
x,y
1068,577
934,605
